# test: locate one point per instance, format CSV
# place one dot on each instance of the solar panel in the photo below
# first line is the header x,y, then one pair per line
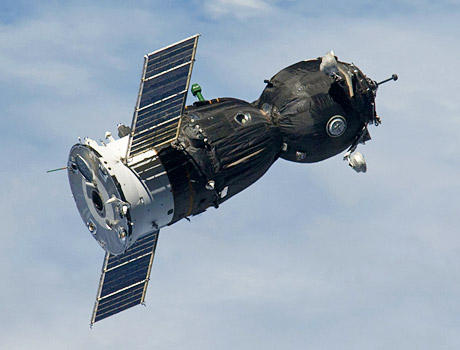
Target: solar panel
x,y
162,94
124,278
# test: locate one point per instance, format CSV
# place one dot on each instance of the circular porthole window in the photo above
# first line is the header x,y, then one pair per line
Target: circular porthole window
x,y
243,118
336,126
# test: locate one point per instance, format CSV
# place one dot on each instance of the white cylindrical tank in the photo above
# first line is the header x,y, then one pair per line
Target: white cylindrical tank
x,y
112,198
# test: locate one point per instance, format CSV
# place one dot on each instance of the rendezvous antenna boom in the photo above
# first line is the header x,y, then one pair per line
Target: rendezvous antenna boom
x,y
176,161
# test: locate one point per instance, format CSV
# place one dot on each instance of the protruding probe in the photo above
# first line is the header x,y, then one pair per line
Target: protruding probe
x,y
50,171
393,77
196,91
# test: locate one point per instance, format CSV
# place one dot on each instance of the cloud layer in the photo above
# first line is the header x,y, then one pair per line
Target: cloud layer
x,y
311,256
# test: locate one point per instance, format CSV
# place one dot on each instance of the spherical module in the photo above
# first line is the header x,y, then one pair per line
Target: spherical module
x,y
319,115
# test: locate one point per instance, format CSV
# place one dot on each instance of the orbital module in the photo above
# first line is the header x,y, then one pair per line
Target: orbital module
x,y
175,161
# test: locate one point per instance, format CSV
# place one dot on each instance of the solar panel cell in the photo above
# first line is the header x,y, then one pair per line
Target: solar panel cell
x,y
125,275
120,302
155,114
124,278
170,57
164,85
143,246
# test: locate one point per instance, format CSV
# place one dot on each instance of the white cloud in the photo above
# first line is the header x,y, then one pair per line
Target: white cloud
x,y
241,9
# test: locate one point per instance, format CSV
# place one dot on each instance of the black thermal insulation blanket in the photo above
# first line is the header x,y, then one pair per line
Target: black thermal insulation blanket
x,y
301,100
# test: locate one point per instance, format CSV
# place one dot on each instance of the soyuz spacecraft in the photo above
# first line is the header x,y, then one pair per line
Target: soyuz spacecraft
x,y
175,161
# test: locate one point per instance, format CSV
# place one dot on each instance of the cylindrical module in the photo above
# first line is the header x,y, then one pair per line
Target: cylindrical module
x,y
224,146
119,203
